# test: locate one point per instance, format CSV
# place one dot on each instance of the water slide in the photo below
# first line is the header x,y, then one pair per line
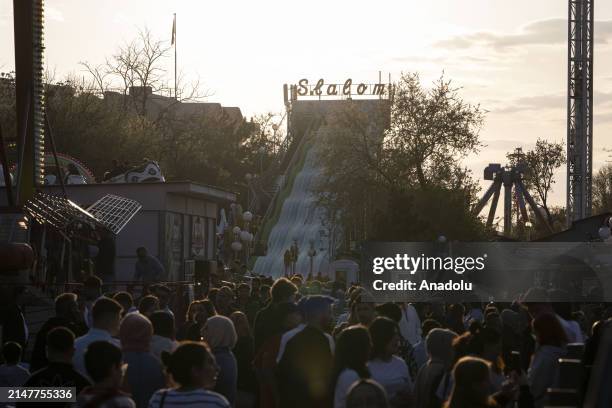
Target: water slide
x,y
299,220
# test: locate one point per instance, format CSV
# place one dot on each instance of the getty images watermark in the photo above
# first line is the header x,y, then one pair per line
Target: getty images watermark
x,y
486,271
412,264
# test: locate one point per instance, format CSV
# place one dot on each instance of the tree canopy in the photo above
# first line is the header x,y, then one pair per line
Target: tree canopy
x,y
403,179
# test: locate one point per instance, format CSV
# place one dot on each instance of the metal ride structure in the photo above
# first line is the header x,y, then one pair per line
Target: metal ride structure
x,y
509,177
30,106
580,109
580,54
31,213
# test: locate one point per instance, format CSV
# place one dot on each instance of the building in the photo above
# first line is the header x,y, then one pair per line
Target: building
x,y
153,106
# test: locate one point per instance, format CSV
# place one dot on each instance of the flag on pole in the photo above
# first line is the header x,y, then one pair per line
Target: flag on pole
x,y
173,30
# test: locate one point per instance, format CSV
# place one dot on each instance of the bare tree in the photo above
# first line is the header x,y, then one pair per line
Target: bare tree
x,y
139,64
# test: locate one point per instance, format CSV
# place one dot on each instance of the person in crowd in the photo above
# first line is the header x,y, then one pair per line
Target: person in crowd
x,y
454,318
126,301
14,326
104,261
11,373
385,366
366,394
350,361
106,316
104,365
266,360
212,294
144,373
394,312
580,317
419,351
362,311
266,321
591,346
544,369
90,292
254,303
264,294
473,314
439,349
219,333
163,333
59,371
243,296
510,333
67,314
287,262
148,269
198,312
472,385
194,371
563,310
410,324
305,369
148,305
224,302
255,286
485,343
344,317
163,294
245,354
299,323
493,321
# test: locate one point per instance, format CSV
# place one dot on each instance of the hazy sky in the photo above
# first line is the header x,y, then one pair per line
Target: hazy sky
x,y
510,56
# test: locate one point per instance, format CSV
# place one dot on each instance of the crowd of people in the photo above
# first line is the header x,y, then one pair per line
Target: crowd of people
x,y
293,342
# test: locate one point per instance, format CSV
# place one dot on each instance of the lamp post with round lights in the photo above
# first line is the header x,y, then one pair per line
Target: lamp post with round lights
x,y
312,252
248,177
245,235
236,244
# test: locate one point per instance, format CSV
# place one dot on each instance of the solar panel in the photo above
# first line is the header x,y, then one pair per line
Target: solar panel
x,y
114,212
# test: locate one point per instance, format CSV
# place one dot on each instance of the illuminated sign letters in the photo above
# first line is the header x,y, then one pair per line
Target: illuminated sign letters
x,y
348,88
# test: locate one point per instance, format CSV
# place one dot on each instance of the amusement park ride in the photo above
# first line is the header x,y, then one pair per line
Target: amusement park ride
x,y
579,130
30,212
37,167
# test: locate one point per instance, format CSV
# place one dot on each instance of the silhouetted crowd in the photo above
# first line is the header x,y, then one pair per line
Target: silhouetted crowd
x,y
255,342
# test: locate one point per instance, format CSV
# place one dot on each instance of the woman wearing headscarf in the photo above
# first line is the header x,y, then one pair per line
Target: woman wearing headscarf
x,y
144,374
439,349
220,334
244,352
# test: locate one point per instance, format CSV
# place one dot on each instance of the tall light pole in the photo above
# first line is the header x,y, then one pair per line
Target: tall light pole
x,y
312,252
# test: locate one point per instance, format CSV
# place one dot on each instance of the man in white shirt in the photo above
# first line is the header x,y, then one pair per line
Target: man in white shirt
x,y
410,324
300,327
106,316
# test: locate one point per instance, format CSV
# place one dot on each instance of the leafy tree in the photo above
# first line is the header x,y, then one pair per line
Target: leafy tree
x,y
431,131
390,183
602,190
541,164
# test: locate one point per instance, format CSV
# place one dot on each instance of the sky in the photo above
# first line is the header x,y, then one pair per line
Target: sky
x,y
508,56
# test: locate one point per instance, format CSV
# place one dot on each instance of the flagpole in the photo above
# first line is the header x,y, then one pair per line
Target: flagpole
x,y
175,81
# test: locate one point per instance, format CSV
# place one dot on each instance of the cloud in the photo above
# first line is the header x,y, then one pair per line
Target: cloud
x,y
543,32
603,117
52,13
543,102
533,103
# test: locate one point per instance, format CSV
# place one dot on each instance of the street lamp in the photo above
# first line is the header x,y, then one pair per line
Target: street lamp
x,y
312,252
